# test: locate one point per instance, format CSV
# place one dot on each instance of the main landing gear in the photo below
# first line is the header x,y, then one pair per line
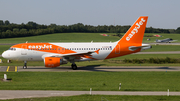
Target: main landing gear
x,y
74,66
25,65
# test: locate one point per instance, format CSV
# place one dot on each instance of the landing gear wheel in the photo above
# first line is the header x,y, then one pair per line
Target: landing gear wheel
x,y
24,67
74,66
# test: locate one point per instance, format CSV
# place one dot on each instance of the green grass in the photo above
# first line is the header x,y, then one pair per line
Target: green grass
x,y
103,62
4,48
103,98
164,36
98,81
146,56
63,37
159,48
82,37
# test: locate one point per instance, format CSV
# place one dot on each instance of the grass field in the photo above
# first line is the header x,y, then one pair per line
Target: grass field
x,y
82,37
159,48
63,37
164,36
102,62
103,98
98,81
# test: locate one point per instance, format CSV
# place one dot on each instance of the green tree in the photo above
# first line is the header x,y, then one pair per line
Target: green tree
x,y
23,32
178,30
1,22
8,34
6,22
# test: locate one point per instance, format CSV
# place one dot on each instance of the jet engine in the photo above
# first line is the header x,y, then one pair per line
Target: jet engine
x,y
52,62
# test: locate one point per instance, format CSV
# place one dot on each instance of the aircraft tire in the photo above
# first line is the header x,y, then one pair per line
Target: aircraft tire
x,y
24,67
74,66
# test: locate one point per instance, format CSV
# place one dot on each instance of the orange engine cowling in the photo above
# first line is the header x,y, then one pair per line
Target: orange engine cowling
x,y
52,62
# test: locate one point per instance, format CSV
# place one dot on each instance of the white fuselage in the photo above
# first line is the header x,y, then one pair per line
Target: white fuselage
x,y
35,55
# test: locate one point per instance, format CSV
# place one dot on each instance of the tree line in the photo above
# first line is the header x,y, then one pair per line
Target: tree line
x,y
10,30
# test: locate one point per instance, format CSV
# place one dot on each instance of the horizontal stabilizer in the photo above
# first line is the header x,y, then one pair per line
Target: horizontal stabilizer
x,y
143,47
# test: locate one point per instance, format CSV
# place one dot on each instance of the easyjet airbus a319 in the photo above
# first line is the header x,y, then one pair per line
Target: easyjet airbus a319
x,y
56,54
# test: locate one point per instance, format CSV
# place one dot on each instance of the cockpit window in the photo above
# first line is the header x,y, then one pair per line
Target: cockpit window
x,y
12,49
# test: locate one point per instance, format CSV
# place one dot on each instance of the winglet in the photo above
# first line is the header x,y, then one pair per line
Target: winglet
x,y
97,51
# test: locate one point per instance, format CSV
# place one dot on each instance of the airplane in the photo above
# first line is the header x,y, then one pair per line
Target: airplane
x,y
167,40
56,54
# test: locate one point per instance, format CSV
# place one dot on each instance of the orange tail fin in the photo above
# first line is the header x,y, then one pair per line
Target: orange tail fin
x,y
136,32
131,42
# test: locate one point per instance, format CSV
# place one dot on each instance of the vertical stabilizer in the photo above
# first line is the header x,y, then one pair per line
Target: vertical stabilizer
x,y
136,31
131,39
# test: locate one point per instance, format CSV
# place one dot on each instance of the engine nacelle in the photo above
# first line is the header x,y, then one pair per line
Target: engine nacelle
x,y
52,61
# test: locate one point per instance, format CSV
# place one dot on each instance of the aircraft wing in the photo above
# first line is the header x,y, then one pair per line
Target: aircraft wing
x,y
83,54
173,40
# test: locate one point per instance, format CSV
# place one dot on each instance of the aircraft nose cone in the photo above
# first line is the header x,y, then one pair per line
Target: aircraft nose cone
x,y
5,55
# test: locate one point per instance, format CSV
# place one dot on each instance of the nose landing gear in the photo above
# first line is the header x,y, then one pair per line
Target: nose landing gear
x,y
25,65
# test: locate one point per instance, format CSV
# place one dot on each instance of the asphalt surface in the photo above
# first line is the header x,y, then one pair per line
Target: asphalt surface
x,y
95,68
12,94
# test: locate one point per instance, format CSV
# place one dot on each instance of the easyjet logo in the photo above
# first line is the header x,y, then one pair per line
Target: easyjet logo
x,y
40,46
135,30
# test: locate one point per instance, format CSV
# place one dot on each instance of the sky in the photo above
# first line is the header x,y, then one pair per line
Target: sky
x,y
161,13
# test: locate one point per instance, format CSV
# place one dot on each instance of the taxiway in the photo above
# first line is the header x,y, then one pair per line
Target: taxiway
x,y
95,68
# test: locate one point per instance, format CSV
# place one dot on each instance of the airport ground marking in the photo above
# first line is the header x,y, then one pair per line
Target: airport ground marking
x,y
9,67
